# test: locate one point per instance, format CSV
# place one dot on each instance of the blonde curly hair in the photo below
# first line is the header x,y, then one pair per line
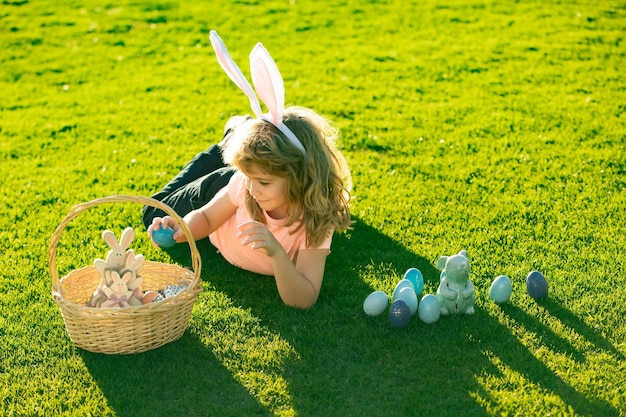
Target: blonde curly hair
x,y
318,183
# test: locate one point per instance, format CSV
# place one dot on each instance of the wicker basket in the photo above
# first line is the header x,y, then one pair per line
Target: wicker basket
x,y
124,330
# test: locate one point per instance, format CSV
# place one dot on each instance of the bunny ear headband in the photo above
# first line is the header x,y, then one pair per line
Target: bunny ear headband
x,y
267,82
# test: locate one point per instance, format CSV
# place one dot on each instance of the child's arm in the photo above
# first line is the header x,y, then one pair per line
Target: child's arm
x,y
201,222
298,285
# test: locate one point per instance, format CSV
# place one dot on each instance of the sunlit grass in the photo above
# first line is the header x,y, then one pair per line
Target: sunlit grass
x,y
492,127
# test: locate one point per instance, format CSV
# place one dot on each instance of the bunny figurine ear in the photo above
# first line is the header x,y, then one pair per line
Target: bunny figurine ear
x,y
267,81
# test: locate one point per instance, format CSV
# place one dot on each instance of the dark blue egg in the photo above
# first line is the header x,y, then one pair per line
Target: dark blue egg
x,y
164,237
536,285
399,314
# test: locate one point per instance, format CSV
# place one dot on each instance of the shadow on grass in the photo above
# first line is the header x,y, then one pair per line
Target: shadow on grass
x,y
498,341
182,378
346,363
579,326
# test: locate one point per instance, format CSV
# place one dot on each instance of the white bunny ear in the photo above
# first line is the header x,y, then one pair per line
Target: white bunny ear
x,y
127,237
110,239
126,277
135,262
233,71
268,82
270,87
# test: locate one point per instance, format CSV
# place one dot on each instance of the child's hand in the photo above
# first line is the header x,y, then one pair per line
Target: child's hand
x,y
258,236
162,223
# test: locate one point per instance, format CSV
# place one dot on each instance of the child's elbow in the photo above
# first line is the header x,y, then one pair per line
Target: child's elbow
x,y
302,304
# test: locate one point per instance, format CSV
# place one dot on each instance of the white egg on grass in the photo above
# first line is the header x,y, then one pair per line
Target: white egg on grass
x,y
375,303
501,289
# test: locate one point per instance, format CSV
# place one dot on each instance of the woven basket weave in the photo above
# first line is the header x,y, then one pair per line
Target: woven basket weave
x,y
124,330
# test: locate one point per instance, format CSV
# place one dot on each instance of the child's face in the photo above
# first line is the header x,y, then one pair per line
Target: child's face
x,y
268,191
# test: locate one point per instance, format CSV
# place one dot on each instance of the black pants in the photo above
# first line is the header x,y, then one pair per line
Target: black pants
x,y
194,186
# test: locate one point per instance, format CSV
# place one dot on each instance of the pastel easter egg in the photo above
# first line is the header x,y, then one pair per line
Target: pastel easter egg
x,y
429,309
417,279
149,297
375,303
536,285
408,295
403,283
399,314
500,290
164,237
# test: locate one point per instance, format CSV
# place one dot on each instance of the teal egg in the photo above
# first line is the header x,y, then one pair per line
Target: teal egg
x,y
375,303
407,294
164,237
500,290
417,279
429,309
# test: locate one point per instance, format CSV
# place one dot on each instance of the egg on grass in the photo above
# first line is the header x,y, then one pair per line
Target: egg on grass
x,y
417,279
403,283
399,314
429,309
407,294
501,289
536,285
375,303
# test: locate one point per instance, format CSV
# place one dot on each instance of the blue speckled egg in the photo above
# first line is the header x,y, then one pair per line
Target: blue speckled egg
x,y
399,314
536,285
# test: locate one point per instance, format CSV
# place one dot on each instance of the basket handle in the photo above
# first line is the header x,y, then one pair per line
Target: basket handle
x,y
148,201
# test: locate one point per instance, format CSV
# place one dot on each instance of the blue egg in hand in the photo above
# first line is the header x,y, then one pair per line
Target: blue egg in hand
x,y
164,237
399,314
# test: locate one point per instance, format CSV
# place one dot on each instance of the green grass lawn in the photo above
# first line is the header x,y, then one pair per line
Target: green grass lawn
x,y
496,127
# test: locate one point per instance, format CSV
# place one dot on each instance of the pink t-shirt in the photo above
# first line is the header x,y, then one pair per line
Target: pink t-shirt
x,y
225,237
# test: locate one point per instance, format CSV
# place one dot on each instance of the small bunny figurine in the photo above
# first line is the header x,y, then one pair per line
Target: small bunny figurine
x,y
117,255
117,293
456,292
103,297
119,262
